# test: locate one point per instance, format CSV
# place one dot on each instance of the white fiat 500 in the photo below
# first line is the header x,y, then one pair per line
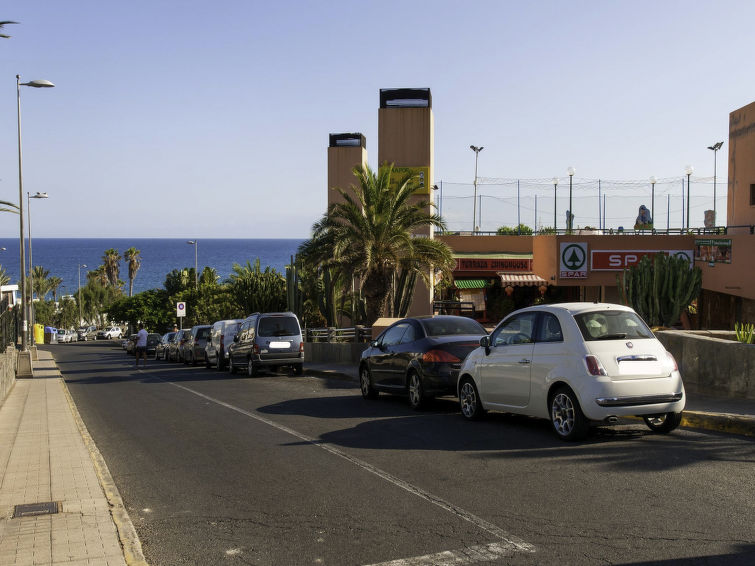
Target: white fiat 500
x,y
573,363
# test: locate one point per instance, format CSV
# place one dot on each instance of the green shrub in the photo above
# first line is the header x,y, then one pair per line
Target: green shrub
x,y
522,229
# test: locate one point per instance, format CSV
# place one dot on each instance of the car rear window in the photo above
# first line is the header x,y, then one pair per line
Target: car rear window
x,y
278,326
451,326
612,325
203,333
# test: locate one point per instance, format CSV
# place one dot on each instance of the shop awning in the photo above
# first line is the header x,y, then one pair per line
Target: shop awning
x,y
471,283
521,279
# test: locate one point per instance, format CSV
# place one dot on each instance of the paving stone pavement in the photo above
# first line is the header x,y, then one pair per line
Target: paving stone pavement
x,y
47,456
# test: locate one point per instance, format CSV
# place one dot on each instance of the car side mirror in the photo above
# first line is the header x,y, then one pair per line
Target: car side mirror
x,y
374,344
485,343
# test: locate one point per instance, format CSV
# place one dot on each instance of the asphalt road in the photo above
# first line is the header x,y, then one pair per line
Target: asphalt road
x,y
280,470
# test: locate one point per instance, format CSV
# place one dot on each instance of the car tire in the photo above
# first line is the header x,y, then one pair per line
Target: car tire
x,y
469,400
365,383
663,424
569,423
251,369
417,398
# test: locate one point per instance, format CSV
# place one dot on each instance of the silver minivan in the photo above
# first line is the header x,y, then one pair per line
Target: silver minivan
x,y
268,340
221,336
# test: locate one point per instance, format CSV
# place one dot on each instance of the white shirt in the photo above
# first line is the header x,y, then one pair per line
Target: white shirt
x,y
141,339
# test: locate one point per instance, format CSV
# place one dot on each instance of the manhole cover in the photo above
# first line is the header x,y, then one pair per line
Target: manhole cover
x,y
31,509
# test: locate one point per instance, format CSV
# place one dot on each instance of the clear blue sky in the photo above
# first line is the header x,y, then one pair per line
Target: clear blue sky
x,y
211,119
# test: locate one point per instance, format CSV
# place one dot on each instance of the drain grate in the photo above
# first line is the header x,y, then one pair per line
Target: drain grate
x,y
31,509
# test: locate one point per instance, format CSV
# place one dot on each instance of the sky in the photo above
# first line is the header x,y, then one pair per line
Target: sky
x,y
197,119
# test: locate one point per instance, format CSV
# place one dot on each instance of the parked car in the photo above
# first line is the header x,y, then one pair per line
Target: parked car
x,y
153,339
87,332
131,344
575,364
177,345
267,340
109,333
161,350
420,356
221,336
66,336
194,347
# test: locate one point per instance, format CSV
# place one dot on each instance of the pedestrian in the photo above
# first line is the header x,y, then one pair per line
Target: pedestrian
x,y
175,328
141,345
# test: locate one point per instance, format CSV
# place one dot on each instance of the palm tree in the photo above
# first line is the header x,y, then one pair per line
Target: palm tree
x,y
372,234
133,257
54,283
7,206
111,261
40,281
2,25
4,277
98,275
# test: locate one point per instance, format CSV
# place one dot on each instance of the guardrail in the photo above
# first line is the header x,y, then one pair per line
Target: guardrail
x,y
701,231
332,334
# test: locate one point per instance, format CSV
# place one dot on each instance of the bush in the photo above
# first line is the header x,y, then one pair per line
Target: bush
x,y
522,229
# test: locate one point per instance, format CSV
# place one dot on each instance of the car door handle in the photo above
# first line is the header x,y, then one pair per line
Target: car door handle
x,y
525,361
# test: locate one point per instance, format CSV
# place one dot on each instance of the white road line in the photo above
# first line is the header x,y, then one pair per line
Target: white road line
x,y
470,555
512,543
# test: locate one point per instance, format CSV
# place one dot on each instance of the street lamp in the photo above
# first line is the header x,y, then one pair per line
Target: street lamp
x,y
34,84
477,151
715,147
653,181
688,170
196,276
555,186
31,271
81,317
570,214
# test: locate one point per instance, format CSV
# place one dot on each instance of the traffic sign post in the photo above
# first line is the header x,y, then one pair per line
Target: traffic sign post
x,y
181,312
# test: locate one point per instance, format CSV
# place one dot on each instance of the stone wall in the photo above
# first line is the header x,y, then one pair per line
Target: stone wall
x,y
333,352
7,372
712,365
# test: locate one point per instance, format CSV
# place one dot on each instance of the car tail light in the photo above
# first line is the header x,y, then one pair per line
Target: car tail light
x,y
673,361
301,347
594,366
439,356
256,350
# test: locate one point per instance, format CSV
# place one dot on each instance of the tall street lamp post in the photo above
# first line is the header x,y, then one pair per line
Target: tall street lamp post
x,y
555,186
653,181
688,170
196,275
31,269
81,317
715,147
570,214
477,151
19,84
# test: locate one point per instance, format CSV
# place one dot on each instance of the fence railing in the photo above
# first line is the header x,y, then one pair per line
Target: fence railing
x,y
353,334
698,231
8,326
459,308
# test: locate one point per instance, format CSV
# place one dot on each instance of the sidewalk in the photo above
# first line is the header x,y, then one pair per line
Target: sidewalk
x,y
733,416
58,503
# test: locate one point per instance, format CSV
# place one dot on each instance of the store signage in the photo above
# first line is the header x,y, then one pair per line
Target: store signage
x,y
493,264
573,260
713,250
420,176
619,260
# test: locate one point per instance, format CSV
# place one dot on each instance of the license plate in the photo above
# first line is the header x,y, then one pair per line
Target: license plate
x,y
280,344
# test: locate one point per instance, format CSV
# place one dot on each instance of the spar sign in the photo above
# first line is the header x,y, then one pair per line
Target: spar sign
x,y
573,260
619,260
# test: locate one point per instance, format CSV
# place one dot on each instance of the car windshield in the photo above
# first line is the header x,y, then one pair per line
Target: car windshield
x,y
612,325
278,326
451,326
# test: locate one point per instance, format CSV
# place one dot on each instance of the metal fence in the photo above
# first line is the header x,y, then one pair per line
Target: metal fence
x,y
8,325
353,334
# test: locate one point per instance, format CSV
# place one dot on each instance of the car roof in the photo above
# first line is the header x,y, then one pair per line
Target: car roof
x,y
577,308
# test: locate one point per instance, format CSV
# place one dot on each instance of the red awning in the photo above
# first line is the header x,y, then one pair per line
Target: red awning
x,y
521,279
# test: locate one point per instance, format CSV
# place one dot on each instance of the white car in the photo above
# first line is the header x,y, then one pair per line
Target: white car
x,y
574,364
110,333
65,336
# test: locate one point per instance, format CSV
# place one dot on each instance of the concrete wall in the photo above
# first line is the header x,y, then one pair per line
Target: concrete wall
x,y
741,166
331,352
7,372
711,365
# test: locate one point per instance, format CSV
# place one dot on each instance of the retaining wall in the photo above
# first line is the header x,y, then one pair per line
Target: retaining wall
x,y
334,352
711,365
8,360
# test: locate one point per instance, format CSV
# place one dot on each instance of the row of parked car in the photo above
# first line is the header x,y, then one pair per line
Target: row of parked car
x,y
575,364
260,341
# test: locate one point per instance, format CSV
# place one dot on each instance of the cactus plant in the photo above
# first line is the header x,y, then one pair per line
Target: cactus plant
x,y
745,332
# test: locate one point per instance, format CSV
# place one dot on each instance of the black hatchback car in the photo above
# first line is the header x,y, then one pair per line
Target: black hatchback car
x,y
420,356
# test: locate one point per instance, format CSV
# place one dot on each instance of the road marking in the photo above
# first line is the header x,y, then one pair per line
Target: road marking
x,y
470,555
511,543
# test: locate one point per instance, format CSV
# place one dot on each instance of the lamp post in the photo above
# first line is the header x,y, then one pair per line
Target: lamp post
x,y
570,216
31,270
19,84
81,317
477,151
555,186
196,276
715,147
688,170
653,181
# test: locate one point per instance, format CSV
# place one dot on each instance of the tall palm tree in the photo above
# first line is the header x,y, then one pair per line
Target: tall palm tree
x,y
98,275
2,25
133,257
372,234
111,261
54,283
40,281
4,277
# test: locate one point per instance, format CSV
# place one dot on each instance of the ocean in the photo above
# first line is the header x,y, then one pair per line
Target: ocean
x,y
62,256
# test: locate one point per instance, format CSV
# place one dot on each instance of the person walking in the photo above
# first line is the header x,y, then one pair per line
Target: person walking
x,y
141,346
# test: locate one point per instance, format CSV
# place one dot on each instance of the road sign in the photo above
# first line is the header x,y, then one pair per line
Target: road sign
x,y
181,309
